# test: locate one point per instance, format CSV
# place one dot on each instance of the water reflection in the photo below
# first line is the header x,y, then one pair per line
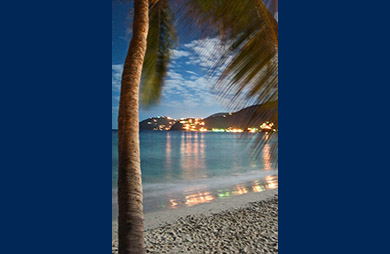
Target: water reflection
x,y
190,168
168,150
267,157
272,182
257,187
192,155
240,190
268,183
173,203
168,157
199,198
181,178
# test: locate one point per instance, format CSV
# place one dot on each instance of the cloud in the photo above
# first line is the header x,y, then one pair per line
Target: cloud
x,y
191,72
188,86
116,76
175,53
192,92
204,52
116,86
174,75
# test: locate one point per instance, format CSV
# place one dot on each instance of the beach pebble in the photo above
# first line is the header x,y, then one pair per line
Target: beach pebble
x,y
251,229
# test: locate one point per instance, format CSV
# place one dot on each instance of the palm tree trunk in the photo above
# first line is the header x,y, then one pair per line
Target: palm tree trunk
x,y
130,220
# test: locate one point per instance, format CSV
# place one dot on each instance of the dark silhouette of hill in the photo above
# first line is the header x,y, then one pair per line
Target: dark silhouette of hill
x,y
252,116
157,123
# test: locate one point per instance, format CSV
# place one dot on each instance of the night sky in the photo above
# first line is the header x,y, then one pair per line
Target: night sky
x,y
187,90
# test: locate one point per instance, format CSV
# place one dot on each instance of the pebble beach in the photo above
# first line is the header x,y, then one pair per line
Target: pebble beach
x,y
251,227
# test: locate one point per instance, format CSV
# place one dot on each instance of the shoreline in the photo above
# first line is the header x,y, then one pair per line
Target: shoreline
x,y
153,220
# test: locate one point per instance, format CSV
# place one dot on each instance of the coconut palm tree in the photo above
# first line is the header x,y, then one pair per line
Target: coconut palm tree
x,y
155,15
251,33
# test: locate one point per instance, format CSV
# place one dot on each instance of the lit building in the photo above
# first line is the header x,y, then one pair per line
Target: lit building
x,y
235,130
217,130
253,130
193,124
267,127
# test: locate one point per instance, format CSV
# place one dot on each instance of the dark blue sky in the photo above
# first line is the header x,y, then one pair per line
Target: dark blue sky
x,y
187,90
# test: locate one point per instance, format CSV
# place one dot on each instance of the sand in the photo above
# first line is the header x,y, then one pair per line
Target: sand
x,y
240,224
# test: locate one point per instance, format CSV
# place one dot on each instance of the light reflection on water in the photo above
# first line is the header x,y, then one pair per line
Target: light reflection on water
x,y
268,183
267,157
192,149
185,169
196,150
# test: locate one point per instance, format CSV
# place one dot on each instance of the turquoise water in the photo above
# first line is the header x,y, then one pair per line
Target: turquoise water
x,y
188,168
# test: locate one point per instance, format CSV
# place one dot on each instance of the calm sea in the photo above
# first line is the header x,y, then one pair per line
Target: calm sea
x,y
189,168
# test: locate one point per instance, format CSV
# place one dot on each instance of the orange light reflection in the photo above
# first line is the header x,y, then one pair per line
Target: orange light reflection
x,y
267,157
240,190
271,182
173,203
199,198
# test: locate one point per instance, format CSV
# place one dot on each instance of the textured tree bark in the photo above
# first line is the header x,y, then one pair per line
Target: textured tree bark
x,y
130,219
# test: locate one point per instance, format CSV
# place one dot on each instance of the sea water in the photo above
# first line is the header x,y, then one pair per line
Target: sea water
x,y
189,168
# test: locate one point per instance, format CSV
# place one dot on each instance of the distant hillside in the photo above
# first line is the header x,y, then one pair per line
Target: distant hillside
x,y
252,116
157,123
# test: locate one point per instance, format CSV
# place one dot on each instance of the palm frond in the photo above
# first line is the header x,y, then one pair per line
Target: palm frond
x,y
161,38
248,32
248,62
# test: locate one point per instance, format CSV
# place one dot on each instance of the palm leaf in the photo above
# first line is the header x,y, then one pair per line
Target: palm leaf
x,y
161,38
248,63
